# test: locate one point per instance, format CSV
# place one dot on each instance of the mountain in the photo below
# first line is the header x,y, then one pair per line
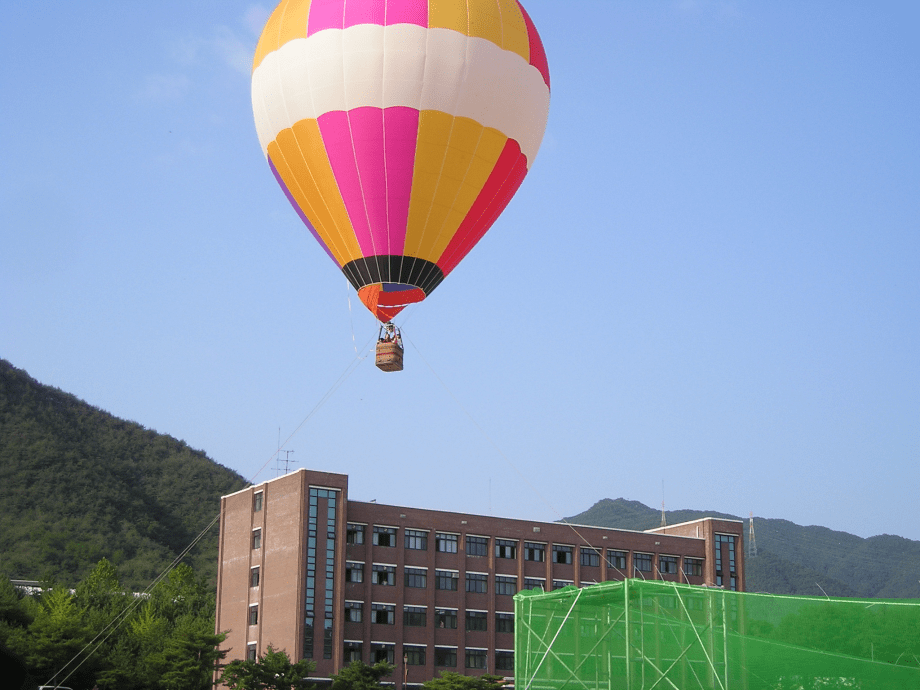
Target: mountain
x,y
792,559
77,484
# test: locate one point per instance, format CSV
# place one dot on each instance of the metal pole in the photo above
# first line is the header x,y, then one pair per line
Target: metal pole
x,y
642,631
725,637
626,636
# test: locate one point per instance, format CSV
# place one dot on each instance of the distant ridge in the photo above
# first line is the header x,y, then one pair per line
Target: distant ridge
x,y
793,559
77,484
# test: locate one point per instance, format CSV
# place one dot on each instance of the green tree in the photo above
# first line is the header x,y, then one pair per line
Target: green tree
x,y
102,635
359,676
190,655
13,610
183,593
15,615
100,587
168,642
455,681
272,671
56,636
135,659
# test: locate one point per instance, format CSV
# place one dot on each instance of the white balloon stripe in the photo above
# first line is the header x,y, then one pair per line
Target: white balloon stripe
x,y
401,65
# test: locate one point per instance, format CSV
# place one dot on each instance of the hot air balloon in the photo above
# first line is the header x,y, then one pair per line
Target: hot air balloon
x,y
399,130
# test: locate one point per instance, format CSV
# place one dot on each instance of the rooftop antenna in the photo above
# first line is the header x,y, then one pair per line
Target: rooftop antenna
x,y
287,462
752,541
664,521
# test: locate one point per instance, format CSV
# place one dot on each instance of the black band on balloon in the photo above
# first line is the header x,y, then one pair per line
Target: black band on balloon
x,y
393,269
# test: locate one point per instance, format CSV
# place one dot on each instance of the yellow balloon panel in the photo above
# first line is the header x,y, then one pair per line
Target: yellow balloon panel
x,y
499,21
294,24
268,41
453,159
514,29
300,159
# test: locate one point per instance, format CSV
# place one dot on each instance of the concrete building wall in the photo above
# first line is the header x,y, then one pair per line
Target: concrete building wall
x,y
281,598
237,524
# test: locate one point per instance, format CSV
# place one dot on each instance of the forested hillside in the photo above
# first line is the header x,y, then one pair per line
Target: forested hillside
x,y
77,485
793,559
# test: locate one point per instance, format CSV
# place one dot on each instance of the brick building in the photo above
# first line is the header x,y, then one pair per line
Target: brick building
x,y
305,569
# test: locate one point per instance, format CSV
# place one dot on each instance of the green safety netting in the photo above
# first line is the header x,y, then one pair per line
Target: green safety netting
x,y
640,635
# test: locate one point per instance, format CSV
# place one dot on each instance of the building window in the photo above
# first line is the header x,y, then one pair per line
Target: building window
x,y
446,618
476,658
416,577
384,536
534,551
693,567
477,582
354,572
729,540
383,652
559,584
383,614
352,651
318,612
354,611
257,539
445,543
476,620
562,554
446,579
308,636
534,583
504,622
254,614
505,548
251,651
477,546
384,574
254,577
505,584
257,501
354,533
416,539
415,616
667,565
590,558
643,562
504,660
445,656
616,559
415,656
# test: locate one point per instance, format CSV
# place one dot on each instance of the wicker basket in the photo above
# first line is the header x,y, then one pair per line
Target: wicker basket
x,y
389,356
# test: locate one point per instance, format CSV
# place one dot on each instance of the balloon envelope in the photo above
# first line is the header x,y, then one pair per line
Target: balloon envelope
x,y
399,129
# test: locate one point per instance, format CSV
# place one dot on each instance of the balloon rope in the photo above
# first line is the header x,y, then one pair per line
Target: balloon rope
x,y
120,618
505,457
351,317
335,386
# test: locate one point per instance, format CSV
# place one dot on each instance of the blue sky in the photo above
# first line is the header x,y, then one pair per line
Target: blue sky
x,y
707,287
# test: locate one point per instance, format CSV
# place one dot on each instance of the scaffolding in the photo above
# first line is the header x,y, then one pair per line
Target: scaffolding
x,y
644,635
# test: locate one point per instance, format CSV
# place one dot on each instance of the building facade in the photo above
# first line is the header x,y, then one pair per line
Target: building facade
x,y
304,569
